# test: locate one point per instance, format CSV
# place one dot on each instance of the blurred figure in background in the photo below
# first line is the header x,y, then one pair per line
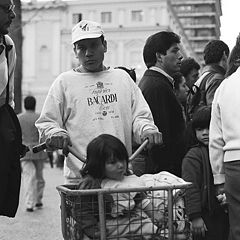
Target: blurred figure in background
x,y
32,163
190,70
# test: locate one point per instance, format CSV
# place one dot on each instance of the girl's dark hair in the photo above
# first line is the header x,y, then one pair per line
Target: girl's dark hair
x,y
201,118
99,150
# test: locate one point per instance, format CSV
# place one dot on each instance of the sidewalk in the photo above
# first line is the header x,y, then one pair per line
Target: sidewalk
x,y
42,224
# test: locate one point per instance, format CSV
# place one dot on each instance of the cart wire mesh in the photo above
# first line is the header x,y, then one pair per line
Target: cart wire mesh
x,y
133,213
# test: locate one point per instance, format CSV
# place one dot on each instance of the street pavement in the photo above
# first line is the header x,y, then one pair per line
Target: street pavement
x,y
42,224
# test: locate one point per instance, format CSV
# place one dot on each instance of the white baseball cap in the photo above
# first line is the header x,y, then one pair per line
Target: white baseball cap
x,y
85,30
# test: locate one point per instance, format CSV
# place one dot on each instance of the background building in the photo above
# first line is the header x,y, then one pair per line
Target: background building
x,y
47,49
200,20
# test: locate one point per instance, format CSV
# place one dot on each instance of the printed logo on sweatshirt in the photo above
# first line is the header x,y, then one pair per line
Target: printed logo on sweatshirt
x,y
102,97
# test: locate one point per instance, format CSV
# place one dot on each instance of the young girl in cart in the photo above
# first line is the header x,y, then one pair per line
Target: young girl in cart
x,y
129,215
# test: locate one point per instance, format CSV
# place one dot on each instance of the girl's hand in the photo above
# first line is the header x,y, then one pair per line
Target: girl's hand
x,y
198,227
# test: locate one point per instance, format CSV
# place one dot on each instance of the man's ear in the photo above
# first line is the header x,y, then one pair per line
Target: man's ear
x,y
75,51
158,57
224,56
105,45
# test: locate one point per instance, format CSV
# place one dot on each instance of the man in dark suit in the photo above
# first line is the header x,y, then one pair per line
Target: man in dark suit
x,y
163,58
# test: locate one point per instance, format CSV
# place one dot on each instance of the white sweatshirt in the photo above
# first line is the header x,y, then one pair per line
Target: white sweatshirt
x,y
224,145
85,105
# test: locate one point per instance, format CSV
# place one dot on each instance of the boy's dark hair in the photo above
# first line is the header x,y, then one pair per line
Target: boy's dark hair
x,y
234,58
130,71
178,78
201,118
214,51
30,103
99,150
187,65
158,42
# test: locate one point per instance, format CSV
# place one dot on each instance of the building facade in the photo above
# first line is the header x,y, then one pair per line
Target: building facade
x,y
47,49
200,20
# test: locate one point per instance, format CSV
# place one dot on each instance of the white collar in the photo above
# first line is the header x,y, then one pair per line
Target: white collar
x,y
157,69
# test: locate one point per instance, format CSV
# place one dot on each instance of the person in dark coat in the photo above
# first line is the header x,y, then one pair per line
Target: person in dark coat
x,y
207,214
10,132
163,58
215,56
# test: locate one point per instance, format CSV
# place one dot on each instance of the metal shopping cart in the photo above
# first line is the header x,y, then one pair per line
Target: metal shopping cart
x,y
96,213
134,225
88,214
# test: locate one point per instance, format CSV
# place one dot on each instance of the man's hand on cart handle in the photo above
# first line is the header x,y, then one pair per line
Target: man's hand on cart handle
x,y
59,140
43,146
153,136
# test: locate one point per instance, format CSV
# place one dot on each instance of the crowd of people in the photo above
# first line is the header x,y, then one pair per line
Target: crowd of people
x,y
190,121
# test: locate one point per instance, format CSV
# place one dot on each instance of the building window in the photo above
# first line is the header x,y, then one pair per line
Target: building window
x,y
76,17
44,58
137,16
106,17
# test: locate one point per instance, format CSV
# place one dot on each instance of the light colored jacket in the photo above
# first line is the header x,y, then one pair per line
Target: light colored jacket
x,y
224,144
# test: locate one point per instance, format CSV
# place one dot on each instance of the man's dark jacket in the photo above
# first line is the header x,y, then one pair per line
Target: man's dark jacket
x,y
167,113
213,81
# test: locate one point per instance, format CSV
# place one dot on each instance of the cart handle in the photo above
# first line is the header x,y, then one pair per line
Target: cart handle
x,y
76,154
43,146
139,150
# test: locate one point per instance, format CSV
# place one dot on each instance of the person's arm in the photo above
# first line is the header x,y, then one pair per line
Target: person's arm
x,y
51,121
216,142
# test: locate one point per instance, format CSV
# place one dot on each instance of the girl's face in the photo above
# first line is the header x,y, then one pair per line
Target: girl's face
x,y
202,135
115,168
182,92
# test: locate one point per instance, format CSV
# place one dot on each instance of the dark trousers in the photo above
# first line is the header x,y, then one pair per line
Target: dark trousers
x,y
232,189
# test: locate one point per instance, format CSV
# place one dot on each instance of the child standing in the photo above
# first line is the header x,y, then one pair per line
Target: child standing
x,y
127,213
207,215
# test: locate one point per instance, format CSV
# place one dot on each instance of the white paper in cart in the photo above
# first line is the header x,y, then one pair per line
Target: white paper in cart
x,y
163,179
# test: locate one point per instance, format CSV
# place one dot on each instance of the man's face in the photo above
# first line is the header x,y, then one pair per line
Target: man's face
x,y
7,14
192,77
90,53
171,62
